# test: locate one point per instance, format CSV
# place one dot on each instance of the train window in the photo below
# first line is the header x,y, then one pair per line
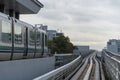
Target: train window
x,y
18,34
38,41
32,37
6,32
42,39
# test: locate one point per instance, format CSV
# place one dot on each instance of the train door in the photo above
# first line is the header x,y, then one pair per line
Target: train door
x,y
25,31
18,40
38,45
5,38
35,41
31,43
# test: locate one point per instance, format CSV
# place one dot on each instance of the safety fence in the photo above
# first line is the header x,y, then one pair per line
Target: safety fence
x,y
112,65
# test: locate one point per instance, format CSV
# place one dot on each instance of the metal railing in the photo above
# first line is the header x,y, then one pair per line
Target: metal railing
x,y
80,71
112,65
62,59
62,72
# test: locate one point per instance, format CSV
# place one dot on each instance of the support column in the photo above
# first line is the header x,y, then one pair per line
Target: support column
x,y
2,8
11,13
17,15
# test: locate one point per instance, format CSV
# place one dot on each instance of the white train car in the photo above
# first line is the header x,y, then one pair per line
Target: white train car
x,y
20,40
5,37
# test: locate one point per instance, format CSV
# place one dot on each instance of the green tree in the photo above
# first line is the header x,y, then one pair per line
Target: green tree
x,y
60,44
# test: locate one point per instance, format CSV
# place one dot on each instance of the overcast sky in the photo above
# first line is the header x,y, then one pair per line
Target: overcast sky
x,y
85,22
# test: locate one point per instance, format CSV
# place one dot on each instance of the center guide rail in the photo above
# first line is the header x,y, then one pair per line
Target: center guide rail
x,y
89,70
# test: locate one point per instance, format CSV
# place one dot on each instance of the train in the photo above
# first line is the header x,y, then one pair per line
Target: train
x,y
20,40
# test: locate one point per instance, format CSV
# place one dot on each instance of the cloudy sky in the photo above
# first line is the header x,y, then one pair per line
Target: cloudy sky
x,y
86,22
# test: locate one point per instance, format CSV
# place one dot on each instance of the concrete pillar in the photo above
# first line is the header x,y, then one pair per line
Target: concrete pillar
x,y
17,15
2,8
11,13
14,14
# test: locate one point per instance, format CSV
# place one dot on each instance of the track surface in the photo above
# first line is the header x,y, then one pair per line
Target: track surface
x,y
90,69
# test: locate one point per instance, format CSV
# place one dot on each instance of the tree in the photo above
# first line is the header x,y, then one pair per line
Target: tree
x,y
60,44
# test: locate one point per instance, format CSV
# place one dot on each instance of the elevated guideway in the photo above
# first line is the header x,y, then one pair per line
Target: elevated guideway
x,y
78,69
28,69
90,70
61,73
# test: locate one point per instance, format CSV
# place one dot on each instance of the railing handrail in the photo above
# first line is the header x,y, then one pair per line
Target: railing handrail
x,y
112,66
113,53
113,58
63,54
54,72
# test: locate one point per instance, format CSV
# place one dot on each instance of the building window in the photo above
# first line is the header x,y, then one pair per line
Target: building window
x,y
38,41
43,39
31,37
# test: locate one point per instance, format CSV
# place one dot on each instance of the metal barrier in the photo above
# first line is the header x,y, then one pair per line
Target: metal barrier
x,y
112,65
77,75
62,59
62,72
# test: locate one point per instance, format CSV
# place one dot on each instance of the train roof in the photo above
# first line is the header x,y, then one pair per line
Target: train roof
x,y
41,30
23,23
63,54
4,15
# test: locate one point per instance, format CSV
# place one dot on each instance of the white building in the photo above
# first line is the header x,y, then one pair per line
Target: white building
x,y
113,45
53,33
82,50
42,26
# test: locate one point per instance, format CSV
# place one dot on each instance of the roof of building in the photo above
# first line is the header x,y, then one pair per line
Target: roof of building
x,y
22,6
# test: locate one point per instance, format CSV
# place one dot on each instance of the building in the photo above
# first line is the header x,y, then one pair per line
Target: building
x,y
42,26
14,8
82,50
113,45
53,33
59,34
